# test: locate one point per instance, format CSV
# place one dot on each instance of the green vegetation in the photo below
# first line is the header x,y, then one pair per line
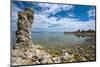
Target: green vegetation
x,y
82,32
85,31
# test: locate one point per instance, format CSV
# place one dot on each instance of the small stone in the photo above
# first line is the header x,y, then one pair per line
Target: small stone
x,y
57,60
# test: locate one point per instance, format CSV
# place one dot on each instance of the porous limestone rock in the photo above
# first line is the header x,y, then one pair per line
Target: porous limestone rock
x,y
25,52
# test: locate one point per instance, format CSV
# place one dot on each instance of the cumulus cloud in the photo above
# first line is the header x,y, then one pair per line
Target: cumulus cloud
x,y
41,20
48,8
44,23
65,24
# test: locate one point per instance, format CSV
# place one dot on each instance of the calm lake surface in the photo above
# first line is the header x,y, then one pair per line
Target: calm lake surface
x,y
56,40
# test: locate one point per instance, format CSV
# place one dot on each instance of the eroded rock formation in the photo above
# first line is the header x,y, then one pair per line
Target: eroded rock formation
x,y
24,25
25,52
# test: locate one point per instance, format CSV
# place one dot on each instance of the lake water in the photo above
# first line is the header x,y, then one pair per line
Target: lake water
x,y
56,40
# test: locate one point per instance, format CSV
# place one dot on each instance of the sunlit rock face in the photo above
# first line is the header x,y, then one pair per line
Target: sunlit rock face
x,y
24,49
24,26
25,52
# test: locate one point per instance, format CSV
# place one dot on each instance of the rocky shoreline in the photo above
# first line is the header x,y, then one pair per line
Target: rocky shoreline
x,y
47,56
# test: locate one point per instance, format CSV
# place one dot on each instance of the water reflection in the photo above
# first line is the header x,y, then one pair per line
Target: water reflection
x,y
80,36
57,40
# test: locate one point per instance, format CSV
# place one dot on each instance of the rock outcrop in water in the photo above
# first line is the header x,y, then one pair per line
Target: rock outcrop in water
x,y
24,25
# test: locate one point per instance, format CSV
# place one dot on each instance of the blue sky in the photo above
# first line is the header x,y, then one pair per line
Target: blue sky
x,y
52,17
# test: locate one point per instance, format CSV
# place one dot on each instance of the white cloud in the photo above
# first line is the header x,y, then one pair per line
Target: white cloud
x,y
91,12
69,24
15,10
64,24
41,22
53,8
74,24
